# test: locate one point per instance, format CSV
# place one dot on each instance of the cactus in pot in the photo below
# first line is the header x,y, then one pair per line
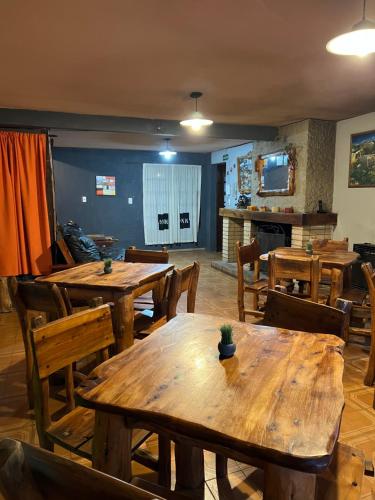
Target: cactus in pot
x,y
226,346
107,266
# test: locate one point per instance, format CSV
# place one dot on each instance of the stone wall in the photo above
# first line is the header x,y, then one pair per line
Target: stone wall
x,y
320,164
315,143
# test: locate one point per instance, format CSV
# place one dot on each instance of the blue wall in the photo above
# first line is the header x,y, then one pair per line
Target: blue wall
x,y
75,171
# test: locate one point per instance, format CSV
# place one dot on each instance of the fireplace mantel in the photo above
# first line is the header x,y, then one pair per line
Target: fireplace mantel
x,y
295,219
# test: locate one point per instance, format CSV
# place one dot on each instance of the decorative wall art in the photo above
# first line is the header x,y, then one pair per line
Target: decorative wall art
x,y
105,185
277,172
244,173
362,160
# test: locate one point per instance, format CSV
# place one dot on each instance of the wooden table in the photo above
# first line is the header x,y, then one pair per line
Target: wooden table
x,y
126,282
278,401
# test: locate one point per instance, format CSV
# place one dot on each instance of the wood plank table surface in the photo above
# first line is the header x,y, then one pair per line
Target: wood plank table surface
x,y
279,400
127,281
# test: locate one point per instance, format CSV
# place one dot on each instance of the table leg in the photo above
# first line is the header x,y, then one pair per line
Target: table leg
x,y
157,297
189,466
221,466
123,313
112,446
287,484
164,461
347,277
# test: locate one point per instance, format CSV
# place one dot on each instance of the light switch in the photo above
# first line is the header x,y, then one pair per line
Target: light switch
x,y
84,199
130,201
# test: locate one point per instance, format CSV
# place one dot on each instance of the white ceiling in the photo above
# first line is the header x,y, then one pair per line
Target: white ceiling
x,y
109,140
256,61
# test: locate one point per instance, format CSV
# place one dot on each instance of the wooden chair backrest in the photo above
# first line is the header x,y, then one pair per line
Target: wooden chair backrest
x,y
292,313
28,472
331,245
64,249
30,296
248,254
58,344
132,254
369,273
299,268
66,340
180,281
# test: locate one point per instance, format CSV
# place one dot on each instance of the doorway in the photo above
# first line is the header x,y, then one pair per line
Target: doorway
x,y
220,192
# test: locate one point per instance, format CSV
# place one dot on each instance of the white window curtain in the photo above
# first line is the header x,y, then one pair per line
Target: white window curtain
x,y
174,190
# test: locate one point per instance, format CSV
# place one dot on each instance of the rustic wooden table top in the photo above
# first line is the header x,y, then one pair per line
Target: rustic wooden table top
x,y
331,259
125,275
280,398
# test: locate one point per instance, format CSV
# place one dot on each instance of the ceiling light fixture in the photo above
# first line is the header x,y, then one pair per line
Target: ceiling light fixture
x,y
197,121
167,153
358,42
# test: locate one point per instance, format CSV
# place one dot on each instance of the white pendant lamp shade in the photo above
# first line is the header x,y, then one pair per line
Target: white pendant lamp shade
x,y
167,153
196,120
358,42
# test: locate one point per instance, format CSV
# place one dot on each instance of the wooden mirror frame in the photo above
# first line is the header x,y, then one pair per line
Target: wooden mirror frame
x,y
290,150
244,189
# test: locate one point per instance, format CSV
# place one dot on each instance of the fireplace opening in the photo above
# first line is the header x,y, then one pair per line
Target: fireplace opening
x,y
271,235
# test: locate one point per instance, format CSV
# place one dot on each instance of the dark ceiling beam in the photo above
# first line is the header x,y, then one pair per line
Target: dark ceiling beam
x,y
23,118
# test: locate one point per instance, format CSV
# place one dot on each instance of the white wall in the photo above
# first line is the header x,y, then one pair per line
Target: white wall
x,y
355,206
231,184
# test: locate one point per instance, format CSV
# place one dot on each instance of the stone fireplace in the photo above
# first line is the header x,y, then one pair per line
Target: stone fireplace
x,y
273,229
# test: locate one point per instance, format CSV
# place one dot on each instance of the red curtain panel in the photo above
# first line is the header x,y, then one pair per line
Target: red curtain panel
x,y
25,243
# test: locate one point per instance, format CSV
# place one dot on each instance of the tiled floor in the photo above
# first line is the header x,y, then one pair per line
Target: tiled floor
x,y
217,296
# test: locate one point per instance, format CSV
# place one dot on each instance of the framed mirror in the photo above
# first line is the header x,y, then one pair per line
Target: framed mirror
x,y
244,174
276,173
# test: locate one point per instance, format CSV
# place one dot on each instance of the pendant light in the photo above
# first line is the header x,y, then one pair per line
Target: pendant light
x,y
167,153
197,121
358,42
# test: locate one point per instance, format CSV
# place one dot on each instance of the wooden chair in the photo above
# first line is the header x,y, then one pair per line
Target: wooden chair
x,y
132,254
28,472
369,273
59,344
330,245
249,254
180,281
303,269
45,298
325,245
65,252
293,313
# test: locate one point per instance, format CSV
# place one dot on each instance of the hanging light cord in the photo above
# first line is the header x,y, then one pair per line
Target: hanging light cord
x,y
196,104
364,10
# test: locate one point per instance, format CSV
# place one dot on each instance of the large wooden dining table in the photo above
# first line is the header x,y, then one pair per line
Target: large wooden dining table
x,y
127,281
277,402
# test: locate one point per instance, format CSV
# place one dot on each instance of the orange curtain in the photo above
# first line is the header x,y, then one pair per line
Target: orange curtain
x,y
25,241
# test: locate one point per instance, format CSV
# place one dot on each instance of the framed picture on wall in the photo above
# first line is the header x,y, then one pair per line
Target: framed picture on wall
x,y
244,173
362,160
105,185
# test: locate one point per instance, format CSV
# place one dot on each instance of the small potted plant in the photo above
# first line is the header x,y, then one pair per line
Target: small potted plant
x,y
107,266
309,248
226,346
